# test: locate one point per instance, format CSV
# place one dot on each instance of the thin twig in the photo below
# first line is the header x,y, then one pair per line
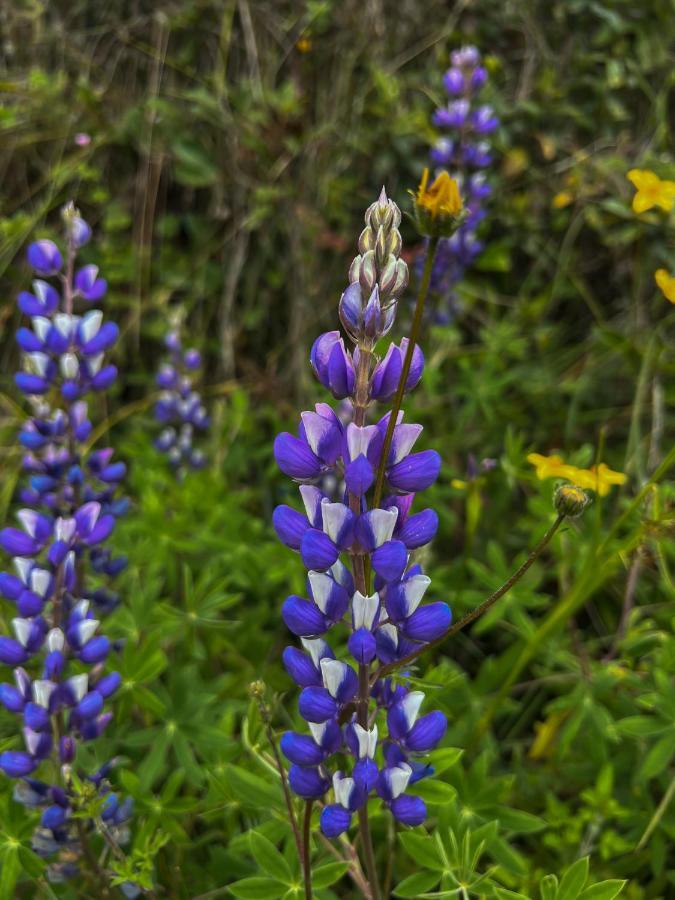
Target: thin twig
x,y
628,602
658,815
479,610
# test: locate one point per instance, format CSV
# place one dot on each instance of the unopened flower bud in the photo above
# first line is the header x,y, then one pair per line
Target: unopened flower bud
x,y
368,272
366,240
570,500
388,278
381,247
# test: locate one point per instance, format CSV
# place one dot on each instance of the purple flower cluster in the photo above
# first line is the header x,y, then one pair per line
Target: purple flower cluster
x,y
179,407
465,151
57,651
366,734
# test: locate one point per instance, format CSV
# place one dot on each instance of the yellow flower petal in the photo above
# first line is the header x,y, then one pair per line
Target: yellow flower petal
x,y
442,198
666,283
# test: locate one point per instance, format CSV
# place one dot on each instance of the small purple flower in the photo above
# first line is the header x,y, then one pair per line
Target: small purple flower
x,y
180,408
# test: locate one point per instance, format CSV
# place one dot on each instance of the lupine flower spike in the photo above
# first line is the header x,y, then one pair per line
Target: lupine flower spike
x,y
180,408
60,566
464,150
365,737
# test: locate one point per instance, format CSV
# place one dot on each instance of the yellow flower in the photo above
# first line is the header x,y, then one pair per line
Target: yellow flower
x,y
548,466
442,198
667,284
303,45
651,191
598,478
562,199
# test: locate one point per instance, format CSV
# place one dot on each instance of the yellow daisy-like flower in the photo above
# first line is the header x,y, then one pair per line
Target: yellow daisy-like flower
x,y
651,191
667,284
597,478
548,466
442,198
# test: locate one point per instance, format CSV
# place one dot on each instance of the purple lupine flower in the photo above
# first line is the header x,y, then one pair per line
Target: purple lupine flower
x,y
339,536
463,149
69,506
180,408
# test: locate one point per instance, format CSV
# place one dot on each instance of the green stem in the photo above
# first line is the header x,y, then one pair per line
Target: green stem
x,y
599,566
412,341
306,855
658,815
368,852
479,610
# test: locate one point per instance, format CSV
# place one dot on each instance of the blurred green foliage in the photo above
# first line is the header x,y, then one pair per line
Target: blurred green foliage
x,y
234,146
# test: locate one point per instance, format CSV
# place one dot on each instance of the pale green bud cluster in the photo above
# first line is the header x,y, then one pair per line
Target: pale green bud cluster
x,y
378,262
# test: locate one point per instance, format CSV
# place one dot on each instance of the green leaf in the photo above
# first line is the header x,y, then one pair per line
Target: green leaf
x,y
640,726
548,887
268,857
435,792
10,869
257,888
573,880
504,894
416,884
658,757
445,758
519,821
422,849
604,890
152,765
250,789
324,876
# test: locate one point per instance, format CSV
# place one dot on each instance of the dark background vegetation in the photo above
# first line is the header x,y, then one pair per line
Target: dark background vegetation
x,y
234,148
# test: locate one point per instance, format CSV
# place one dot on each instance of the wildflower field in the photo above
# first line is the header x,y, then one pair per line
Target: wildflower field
x,y
337,450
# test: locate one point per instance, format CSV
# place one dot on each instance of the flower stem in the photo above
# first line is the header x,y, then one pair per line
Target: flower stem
x,y
479,610
265,716
412,341
368,852
306,856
